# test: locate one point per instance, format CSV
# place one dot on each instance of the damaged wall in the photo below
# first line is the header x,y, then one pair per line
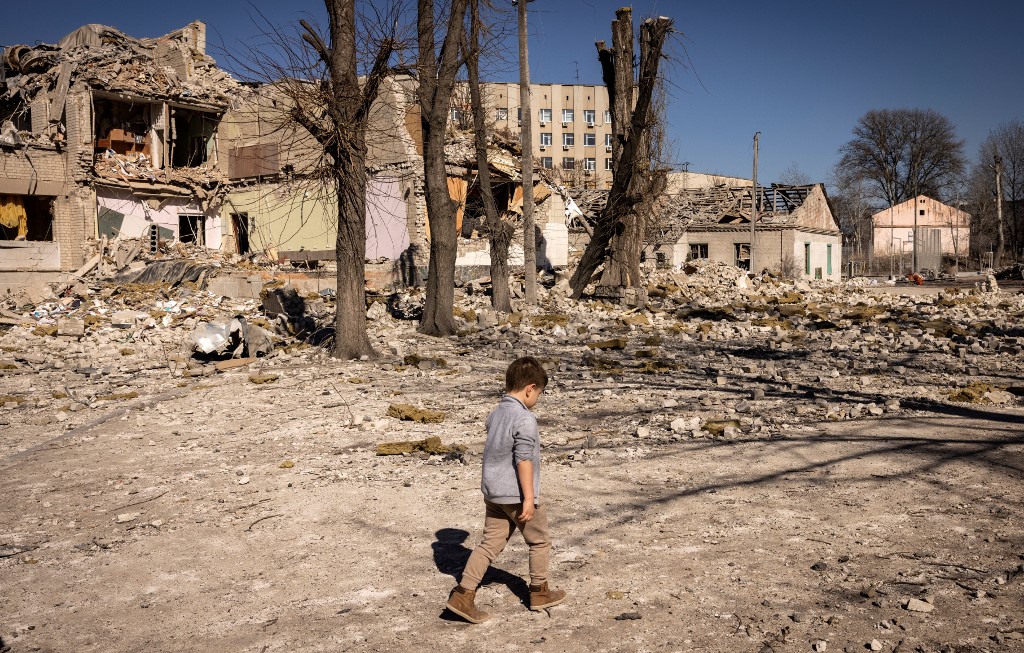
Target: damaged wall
x,y
303,216
120,212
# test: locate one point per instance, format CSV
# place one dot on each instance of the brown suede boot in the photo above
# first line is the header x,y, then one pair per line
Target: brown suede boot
x,y
541,597
461,602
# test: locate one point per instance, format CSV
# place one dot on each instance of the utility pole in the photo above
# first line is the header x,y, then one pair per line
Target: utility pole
x,y
1000,234
529,241
913,235
892,245
753,211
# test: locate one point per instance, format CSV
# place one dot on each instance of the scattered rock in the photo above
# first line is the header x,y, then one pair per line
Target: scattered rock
x,y
917,605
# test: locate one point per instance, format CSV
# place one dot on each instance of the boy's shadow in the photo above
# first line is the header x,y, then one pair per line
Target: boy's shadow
x,y
451,556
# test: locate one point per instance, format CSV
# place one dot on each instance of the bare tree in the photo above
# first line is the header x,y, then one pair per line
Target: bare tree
x,y
903,153
794,176
853,210
499,231
618,237
436,71
1007,141
314,103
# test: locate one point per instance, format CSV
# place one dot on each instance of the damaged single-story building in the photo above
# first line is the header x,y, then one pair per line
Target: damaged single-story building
x,y
795,232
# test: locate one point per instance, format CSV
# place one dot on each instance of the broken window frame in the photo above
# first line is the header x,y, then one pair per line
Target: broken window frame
x,y
742,255
697,251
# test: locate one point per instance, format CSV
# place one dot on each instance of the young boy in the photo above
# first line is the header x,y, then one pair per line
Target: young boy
x,y
511,487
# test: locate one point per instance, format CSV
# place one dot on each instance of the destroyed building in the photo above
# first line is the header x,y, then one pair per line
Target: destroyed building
x,y
106,136
278,202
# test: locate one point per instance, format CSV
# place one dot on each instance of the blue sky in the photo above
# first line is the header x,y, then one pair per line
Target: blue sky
x,y
799,72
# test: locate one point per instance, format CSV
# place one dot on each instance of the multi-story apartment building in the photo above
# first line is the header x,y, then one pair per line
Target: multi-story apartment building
x,y
572,128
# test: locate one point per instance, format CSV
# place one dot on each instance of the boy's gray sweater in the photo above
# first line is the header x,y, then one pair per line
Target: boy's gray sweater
x,y
512,437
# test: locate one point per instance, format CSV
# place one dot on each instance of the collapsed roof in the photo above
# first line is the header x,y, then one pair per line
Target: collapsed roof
x,y
172,67
716,205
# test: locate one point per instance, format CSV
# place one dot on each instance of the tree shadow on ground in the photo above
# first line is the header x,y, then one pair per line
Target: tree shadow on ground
x,y
926,455
451,556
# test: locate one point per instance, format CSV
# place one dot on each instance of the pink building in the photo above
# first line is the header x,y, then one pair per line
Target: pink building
x,y
893,228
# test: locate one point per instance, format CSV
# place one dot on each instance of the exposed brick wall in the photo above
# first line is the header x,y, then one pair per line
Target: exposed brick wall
x,y
64,174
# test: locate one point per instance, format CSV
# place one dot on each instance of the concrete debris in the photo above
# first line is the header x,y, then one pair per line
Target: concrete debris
x,y
431,446
917,605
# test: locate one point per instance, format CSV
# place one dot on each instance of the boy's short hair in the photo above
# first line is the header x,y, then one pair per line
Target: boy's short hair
x,y
524,371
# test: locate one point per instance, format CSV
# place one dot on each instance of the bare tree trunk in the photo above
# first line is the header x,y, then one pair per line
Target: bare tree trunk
x,y
618,237
342,134
499,232
529,240
1000,227
436,82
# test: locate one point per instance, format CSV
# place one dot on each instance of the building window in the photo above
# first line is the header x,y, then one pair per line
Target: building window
x,y
568,139
545,115
502,114
519,114
568,163
921,212
607,140
608,163
607,116
828,258
545,138
590,163
590,139
698,250
589,116
567,115
545,162
807,259
742,255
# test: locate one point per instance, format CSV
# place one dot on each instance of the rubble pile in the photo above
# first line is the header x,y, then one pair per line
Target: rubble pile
x,y
714,354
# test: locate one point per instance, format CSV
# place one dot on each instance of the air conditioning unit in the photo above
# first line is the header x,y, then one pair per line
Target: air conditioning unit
x,y
587,173
607,148
565,147
543,147
590,123
565,124
543,123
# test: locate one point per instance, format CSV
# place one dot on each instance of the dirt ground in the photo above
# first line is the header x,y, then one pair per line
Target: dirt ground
x,y
215,513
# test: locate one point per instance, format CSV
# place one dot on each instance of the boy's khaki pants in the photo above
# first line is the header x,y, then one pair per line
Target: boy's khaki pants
x,y
499,524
